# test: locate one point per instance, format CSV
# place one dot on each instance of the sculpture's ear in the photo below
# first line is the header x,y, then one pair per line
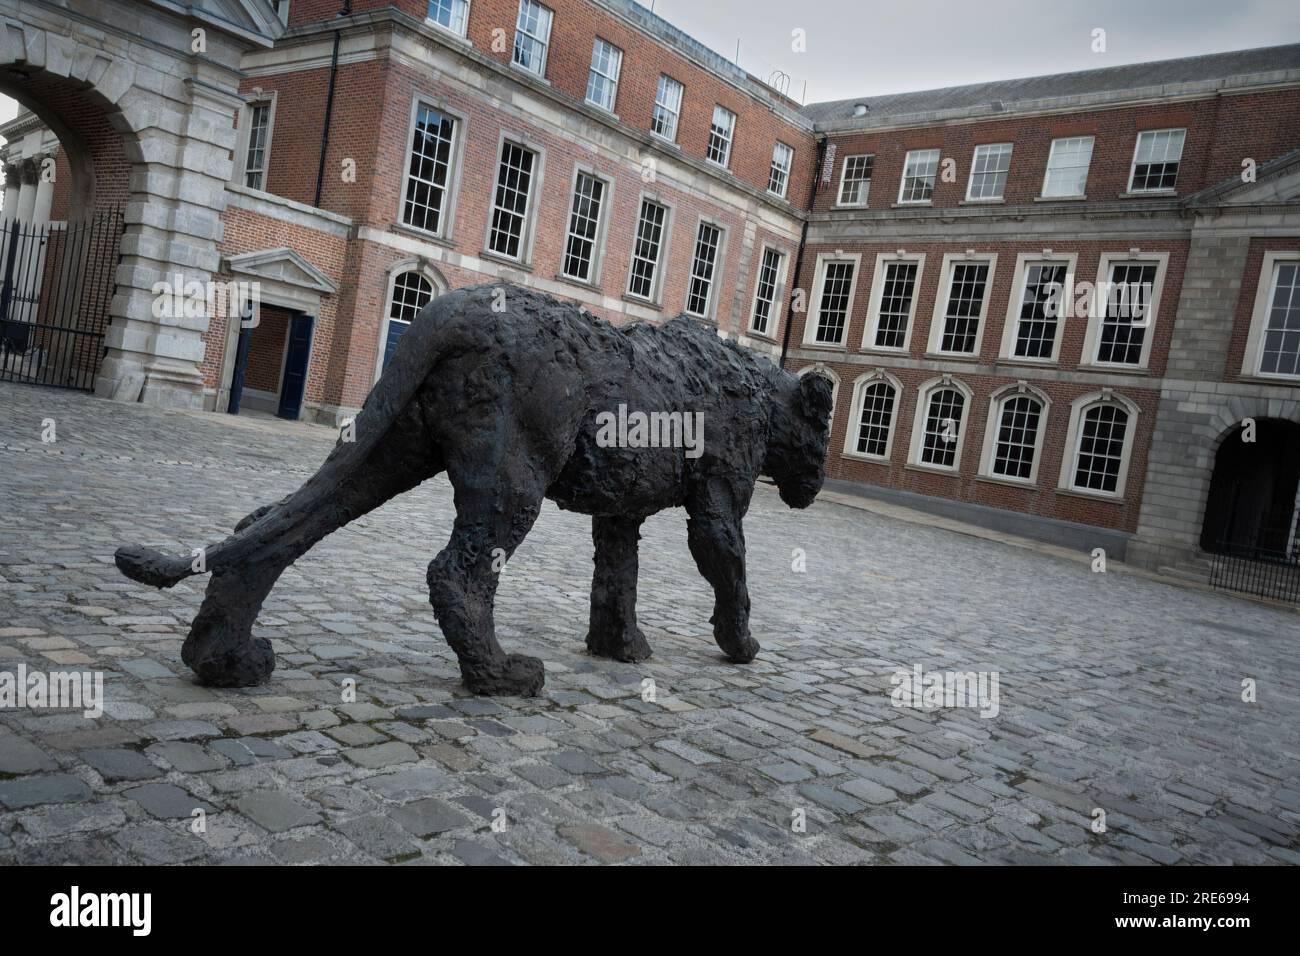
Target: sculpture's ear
x,y
814,397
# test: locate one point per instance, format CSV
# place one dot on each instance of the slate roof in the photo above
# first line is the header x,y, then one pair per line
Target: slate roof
x,y
981,97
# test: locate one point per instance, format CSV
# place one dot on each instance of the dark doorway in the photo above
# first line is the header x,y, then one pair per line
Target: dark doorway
x,y
1252,501
296,361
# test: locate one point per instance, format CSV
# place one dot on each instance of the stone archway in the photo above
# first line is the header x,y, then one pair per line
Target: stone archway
x,y
1181,466
1252,498
163,80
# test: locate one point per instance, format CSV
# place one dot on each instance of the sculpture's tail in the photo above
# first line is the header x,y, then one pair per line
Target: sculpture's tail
x,y
389,452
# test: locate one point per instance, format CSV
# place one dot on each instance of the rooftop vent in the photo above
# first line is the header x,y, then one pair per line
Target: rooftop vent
x,y
860,109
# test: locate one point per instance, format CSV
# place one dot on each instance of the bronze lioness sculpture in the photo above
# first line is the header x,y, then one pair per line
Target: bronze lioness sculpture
x,y
511,392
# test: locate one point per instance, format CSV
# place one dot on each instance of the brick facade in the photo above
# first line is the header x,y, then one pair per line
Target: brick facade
x,y
1211,233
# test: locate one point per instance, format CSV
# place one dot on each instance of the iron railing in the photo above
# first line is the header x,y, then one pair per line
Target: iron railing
x,y
56,284
1254,569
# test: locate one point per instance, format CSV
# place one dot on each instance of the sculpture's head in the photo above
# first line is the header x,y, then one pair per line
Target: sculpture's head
x,y
798,432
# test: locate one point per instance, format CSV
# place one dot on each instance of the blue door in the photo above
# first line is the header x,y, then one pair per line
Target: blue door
x,y
396,328
295,366
241,365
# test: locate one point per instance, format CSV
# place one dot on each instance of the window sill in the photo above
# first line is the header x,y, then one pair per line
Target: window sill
x,y
865,459
762,336
1257,378
417,233
539,77
953,472
505,260
1022,483
1098,496
983,202
448,32
665,141
826,346
913,204
1148,193
593,286
596,106
1060,199
851,205
903,352
725,167
1135,370
1028,362
952,356
645,303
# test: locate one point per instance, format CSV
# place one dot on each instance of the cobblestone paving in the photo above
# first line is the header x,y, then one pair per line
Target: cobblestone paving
x,y
1116,692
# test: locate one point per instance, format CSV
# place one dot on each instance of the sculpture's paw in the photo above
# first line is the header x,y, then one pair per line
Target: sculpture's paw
x,y
626,644
243,664
742,650
515,675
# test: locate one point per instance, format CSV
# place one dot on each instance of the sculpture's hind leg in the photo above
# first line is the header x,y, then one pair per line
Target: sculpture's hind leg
x,y
220,648
499,490
717,543
613,631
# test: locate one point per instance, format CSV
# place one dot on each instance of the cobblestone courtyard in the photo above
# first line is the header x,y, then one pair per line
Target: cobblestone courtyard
x,y
1116,691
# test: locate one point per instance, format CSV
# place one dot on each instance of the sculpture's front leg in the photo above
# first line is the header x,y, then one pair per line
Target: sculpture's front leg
x,y
613,631
717,543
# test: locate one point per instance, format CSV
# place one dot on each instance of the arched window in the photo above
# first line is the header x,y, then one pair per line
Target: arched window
x,y
940,422
1100,458
411,292
1099,443
875,403
1017,433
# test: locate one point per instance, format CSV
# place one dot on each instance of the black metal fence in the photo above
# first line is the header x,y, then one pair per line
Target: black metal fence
x,y
56,284
1270,572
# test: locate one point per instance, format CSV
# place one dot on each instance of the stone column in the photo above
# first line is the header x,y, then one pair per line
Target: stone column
x,y
27,191
13,176
44,193
155,358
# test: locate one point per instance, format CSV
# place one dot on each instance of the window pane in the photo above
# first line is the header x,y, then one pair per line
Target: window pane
x,y
1124,323
449,13
856,184
645,251
702,265
510,202
532,34
877,415
1281,347
584,223
427,172
720,131
1040,310
602,81
918,175
833,307
1101,448
942,427
765,297
896,304
1067,166
1017,435
988,178
965,303
782,158
668,106
1156,160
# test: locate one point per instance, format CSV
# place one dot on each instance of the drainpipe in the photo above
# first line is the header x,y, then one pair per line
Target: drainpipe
x,y
329,105
803,241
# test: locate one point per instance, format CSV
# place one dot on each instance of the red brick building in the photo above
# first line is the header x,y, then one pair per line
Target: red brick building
x,y
1049,304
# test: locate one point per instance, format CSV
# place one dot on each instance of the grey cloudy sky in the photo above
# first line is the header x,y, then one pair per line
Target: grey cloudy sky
x,y
867,47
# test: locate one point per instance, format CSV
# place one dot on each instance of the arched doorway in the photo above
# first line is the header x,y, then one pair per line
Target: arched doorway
x,y
151,124
1251,507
